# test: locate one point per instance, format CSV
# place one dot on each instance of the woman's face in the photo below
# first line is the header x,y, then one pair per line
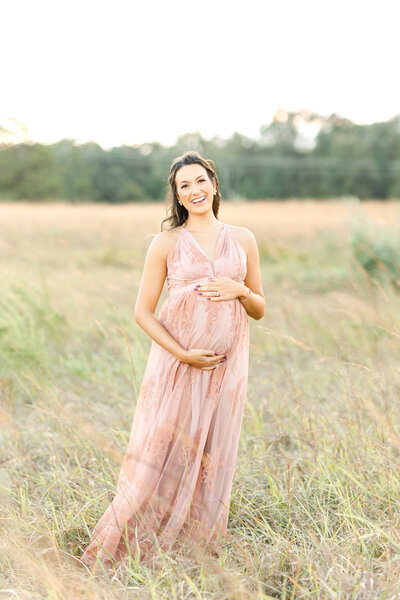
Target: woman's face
x,y
192,184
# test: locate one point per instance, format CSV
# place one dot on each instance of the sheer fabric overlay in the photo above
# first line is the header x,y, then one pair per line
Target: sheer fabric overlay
x,y
176,478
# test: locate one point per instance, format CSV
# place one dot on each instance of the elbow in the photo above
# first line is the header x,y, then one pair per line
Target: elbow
x,y
137,314
140,315
261,314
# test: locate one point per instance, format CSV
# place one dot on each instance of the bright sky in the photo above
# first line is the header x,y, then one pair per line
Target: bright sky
x,y
128,72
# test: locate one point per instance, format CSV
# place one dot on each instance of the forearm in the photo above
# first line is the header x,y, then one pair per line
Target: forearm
x,y
159,334
254,304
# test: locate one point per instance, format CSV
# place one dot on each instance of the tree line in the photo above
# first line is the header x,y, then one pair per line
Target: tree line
x,y
343,159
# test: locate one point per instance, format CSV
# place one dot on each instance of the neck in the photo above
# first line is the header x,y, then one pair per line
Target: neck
x,y
202,223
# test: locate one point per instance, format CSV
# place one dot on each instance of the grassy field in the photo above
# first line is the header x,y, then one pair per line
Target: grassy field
x,y
315,509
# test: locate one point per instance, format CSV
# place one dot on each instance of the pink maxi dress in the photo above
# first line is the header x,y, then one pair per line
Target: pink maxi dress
x,y
176,478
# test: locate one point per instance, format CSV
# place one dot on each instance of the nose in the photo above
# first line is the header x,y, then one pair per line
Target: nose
x,y
196,192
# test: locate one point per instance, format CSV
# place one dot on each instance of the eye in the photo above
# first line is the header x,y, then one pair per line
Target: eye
x,y
185,185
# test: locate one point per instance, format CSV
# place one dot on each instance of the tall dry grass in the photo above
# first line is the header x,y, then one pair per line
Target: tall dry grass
x,y
315,503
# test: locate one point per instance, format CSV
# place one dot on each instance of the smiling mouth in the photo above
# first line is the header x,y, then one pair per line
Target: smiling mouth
x,y
198,200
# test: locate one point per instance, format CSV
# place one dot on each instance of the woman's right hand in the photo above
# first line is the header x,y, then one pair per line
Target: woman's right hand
x,y
203,359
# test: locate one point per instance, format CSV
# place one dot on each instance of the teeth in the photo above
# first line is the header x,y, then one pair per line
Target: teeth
x,y
197,200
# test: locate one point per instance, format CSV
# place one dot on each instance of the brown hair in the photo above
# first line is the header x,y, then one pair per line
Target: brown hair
x,y
176,213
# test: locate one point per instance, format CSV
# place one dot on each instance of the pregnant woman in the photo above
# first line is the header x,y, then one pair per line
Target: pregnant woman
x,y
176,477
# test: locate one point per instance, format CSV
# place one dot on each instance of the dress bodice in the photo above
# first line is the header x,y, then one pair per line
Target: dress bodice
x,y
187,262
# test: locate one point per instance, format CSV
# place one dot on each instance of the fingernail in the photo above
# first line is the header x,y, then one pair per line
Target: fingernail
x,y
208,298
200,293
216,353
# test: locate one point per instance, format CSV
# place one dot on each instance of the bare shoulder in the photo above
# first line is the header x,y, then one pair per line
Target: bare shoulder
x,y
163,242
244,236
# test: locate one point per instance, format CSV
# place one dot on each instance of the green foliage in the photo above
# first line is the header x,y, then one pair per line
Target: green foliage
x,y
29,327
346,159
29,173
378,252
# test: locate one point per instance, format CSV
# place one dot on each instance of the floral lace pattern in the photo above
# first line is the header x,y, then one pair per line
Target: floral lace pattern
x,y
236,395
189,449
176,477
210,463
158,443
214,385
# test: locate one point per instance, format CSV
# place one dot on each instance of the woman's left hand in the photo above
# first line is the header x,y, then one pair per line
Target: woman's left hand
x,y
228,289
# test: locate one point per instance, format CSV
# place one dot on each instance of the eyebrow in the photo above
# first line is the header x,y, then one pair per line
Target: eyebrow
x,y
184,180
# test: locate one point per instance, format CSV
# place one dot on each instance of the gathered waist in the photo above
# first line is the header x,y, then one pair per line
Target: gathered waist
x,y
184,286
180,286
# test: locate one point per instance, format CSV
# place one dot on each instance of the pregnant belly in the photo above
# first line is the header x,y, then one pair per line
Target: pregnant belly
x,y
196,322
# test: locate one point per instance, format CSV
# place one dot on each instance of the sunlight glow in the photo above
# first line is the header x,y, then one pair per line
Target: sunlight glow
x,y
129,73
